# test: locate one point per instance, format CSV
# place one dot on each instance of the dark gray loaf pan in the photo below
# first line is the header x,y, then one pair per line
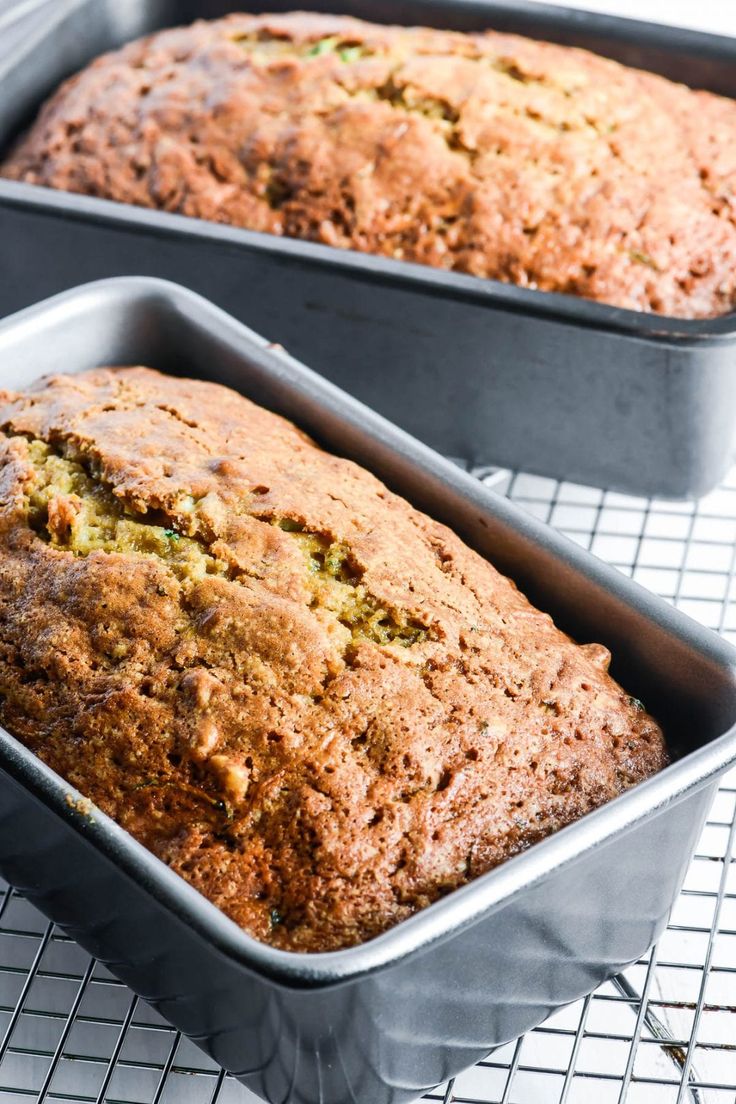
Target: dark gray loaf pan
x,y
495,374
379,1023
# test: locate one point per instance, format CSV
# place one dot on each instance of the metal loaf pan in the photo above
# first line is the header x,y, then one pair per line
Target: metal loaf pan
x,y
496,374
375,1024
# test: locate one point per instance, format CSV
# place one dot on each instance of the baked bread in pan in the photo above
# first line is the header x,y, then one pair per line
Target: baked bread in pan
x,y
312,701
536,164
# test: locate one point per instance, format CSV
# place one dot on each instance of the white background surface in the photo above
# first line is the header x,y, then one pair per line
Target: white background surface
x,y
717,16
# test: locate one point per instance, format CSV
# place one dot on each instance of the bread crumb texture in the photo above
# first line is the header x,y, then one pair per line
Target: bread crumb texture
x,y
310,700
539,165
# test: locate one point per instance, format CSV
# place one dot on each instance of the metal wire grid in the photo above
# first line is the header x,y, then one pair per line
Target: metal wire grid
x,y
663,1033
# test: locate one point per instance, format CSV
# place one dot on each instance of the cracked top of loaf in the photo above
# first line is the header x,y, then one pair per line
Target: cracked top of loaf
x,y
536,164
312,701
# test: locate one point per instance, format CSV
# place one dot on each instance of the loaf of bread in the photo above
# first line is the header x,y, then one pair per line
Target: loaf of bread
x,y
312,701
490,154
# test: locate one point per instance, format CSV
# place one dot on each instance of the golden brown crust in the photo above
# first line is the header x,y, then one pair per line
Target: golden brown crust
x,y
491,154
312,701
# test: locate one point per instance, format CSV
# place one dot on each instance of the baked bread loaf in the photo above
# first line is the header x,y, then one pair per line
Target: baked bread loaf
x,y
312,701
536,164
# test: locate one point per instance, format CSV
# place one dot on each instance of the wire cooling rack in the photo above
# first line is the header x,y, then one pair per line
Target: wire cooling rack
x,y
662,1033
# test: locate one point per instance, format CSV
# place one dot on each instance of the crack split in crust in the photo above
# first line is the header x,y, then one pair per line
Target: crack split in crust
x,y
313,702
77,511
490,154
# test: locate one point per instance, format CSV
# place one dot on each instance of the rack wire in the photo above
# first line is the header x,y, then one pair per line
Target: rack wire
x,y
662,1033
